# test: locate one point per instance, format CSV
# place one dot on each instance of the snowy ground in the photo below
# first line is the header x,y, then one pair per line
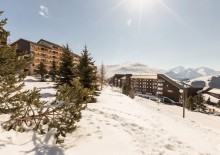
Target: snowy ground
x,y
118,125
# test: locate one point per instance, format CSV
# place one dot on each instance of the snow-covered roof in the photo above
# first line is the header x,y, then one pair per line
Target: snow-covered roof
x,y
146,76
212,99
214,91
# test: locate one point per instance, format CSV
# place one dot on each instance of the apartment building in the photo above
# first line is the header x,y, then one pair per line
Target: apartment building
x,y
117,80
159,85
42,51
144,84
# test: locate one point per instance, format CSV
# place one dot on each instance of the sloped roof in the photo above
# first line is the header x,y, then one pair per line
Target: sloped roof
x,y
214,91
49,43
171,81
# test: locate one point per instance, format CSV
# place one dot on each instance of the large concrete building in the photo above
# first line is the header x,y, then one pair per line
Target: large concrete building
x,y
42,51
156,84
145,84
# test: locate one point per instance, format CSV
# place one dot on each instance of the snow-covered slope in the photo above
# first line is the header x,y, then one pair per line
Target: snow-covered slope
x,y
118,125
207,81
190,73
130,68
177,70
206,71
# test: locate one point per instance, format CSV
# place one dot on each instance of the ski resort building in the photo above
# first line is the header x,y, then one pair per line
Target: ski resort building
x,y
158,85
145,84
42,51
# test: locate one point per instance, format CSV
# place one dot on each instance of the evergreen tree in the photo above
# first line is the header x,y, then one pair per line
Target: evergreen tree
x,y
53,71
190,103
102,75
87,71
208,101
67,69
12,74
3,34
42,71
199,102
25,108
61,115
126,89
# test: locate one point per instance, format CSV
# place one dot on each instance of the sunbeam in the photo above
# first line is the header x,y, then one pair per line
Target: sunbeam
x,y
174,14
112,9
140,16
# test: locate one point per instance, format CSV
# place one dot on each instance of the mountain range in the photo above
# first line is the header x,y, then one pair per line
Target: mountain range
x,y
178,73
181,73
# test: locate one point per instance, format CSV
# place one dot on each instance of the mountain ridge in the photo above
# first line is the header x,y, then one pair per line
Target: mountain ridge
x,y
178,73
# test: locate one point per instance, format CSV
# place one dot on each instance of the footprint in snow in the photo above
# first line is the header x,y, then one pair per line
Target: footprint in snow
x,y
169,147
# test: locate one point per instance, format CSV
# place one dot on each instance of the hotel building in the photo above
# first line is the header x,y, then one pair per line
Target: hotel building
x,y
42,51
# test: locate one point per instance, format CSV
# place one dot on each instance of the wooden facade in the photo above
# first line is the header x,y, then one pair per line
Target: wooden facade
x,y
42,51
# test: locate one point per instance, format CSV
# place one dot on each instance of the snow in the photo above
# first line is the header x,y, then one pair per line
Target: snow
x,y
191,73
205,79
118,125
212,99
215,91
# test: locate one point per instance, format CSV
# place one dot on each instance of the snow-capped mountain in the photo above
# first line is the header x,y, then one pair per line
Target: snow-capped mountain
x,y
177,70
190,73
206,71
178,73
130,68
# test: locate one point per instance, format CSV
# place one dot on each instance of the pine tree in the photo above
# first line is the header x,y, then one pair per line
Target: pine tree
x,y
190,103
67,69
87,71
3,34
42,71
126,89
208,101
61,115
25,109
53,71
12,74
102,75
199,102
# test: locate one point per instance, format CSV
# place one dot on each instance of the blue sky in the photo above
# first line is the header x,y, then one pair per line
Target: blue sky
x,y
160,33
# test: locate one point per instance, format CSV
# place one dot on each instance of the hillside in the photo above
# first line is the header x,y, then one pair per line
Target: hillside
x,y
180,72
118,125
207,81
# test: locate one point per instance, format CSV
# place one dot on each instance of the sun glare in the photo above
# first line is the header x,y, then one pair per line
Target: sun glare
x,y
140,4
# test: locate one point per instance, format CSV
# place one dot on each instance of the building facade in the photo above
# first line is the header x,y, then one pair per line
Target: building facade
x,y
144,84
42,51
158,85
